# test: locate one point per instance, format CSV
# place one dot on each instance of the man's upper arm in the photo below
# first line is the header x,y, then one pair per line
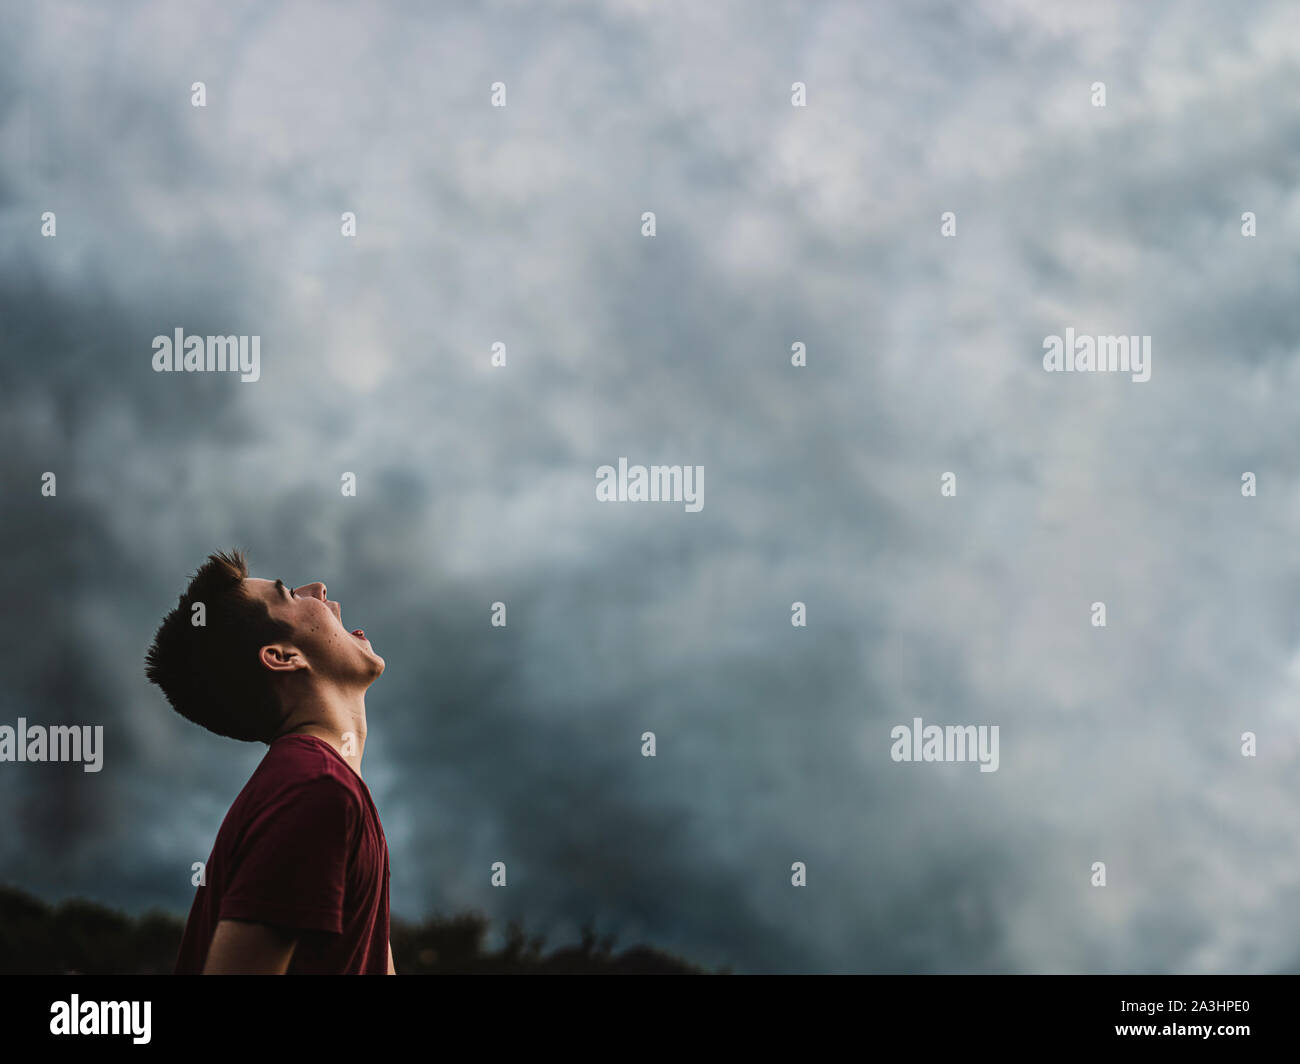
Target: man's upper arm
x,y
391,969
293,865
243,947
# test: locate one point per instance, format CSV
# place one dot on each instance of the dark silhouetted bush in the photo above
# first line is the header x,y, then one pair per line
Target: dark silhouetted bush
x,y
83,937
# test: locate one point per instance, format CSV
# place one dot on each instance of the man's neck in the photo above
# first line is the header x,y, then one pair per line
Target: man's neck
x,y
338,720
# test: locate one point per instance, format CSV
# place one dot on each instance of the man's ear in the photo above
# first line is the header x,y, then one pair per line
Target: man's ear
x,y
282,657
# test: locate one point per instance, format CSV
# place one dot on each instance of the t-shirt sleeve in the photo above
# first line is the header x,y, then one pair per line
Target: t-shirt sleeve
x,y
293,861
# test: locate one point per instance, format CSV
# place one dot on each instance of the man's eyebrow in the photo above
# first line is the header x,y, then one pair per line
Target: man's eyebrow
x,y
281,588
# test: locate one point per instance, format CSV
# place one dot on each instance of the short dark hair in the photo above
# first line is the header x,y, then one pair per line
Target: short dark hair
x,y
211,673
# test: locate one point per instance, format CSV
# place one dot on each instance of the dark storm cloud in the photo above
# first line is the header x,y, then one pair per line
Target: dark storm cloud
x,y
775,225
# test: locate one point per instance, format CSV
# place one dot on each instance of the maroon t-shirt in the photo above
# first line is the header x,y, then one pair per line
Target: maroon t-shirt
x,y
301,848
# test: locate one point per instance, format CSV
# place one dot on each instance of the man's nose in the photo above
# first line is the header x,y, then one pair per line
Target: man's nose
x,y
316,590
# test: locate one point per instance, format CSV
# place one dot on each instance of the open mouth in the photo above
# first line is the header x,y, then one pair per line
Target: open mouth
x,y
360,635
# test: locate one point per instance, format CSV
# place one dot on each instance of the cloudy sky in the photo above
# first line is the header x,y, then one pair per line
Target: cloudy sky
x,y
775,224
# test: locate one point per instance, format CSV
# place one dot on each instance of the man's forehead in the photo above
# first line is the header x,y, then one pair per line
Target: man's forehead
x,y
259,586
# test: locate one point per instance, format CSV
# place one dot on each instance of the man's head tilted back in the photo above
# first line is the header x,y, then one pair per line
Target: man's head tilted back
x,y
262,648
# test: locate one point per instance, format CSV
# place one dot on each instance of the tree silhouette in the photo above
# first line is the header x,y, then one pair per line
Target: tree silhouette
x,y
84,937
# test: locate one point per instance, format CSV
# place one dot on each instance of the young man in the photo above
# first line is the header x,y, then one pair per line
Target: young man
x,y
297,881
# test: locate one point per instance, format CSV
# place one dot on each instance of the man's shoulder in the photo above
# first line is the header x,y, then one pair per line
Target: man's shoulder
x,y
295,762
305,750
